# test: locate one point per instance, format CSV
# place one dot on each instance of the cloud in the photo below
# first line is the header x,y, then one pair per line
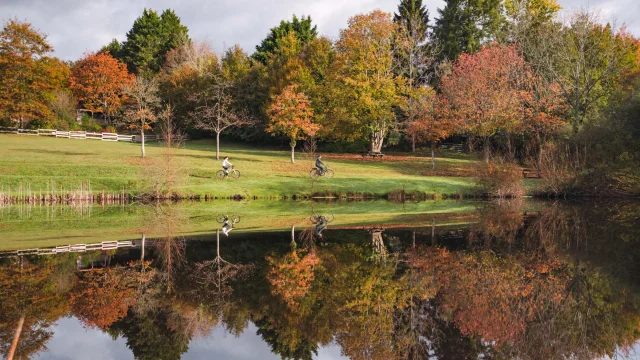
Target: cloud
x,y
78,26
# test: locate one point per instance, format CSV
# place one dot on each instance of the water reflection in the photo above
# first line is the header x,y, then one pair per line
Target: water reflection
x,y
521,281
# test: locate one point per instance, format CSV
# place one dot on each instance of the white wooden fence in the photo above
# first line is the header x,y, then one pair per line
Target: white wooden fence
x,y
79,135
76,248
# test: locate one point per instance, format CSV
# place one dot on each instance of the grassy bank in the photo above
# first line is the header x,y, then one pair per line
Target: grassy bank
x,y
40,163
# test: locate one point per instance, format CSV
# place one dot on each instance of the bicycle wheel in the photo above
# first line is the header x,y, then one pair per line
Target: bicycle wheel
x,y
220,218
314,173
314,219
220,174
329,218
328,174
236,219
235,174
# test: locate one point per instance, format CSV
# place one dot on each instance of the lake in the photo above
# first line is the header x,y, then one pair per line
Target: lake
x,y
510,279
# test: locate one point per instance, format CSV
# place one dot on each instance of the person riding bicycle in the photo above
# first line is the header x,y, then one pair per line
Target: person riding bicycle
x,y
227,227
226,165
322,224
320,165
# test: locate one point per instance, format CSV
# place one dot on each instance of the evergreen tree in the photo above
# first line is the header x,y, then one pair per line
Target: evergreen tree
x,y
414,17
464,25
301,27
149,40
114,49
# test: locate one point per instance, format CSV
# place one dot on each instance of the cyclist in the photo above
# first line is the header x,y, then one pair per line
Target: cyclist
x,y
322,224
227,227
320,165
226,165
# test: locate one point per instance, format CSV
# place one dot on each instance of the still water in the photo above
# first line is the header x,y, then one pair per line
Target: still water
x,y
304,280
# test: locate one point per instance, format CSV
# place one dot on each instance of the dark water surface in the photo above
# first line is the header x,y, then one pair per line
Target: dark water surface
x,y
498,280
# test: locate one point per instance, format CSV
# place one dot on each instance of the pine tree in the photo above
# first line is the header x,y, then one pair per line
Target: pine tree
x,y
464,25
149,40
301,27
414,17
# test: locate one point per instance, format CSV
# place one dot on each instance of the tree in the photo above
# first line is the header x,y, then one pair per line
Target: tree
x,y
414,56
364,90
464,25
150,39
429,117
215,107
141,114
28,74
585,59
290,114
99,81
482,91
301,28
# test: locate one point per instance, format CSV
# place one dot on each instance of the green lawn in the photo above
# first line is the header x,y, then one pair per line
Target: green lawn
x,y
40,163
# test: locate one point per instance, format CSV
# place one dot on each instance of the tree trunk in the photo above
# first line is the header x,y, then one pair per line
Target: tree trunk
x,y
433,156
434,241
486,150
217,145
16,339
413,143
142,138
293,233
293,148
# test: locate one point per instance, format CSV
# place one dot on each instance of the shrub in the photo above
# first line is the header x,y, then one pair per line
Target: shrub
x,y
559,167
500,178
90,124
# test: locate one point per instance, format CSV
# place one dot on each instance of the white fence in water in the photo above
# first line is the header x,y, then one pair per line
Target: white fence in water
x,y
76,248
79,135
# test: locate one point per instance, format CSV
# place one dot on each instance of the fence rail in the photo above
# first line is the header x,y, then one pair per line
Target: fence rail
x,y
79,135
75,248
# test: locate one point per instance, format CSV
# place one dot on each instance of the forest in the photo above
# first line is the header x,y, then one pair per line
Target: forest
x,y
522,82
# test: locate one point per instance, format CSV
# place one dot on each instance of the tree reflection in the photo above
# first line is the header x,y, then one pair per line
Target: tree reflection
x,y
556,281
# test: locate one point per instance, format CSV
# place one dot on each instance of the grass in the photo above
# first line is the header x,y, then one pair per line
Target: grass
x,y
29,226
40,162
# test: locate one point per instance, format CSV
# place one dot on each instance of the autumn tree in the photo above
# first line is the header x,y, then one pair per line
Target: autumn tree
x,y
28,74
290,114
483,93
99,82
141,112
430,121
585,59
364,91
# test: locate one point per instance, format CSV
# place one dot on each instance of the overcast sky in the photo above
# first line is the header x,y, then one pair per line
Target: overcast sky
x,y
77,26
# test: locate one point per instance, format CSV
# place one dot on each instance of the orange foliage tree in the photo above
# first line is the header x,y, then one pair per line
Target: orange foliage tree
x,y
28,75
104,296
98,81
429,116
292,275
494,297
290,114
482,91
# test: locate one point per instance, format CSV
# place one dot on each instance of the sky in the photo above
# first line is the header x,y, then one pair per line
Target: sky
x,y
78,26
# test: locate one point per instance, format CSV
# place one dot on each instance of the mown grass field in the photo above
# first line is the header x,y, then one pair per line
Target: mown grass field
x,y
38,163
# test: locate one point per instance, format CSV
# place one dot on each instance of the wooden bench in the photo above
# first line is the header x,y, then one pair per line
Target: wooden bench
x,y
372,154
452,147
529,173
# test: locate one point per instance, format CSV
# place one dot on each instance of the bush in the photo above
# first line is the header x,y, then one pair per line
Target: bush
x,y
500,178
343,147
559,167
90,124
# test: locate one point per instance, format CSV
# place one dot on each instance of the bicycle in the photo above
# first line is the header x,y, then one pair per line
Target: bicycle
x,y
221,174
316,219
223,218
316,173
